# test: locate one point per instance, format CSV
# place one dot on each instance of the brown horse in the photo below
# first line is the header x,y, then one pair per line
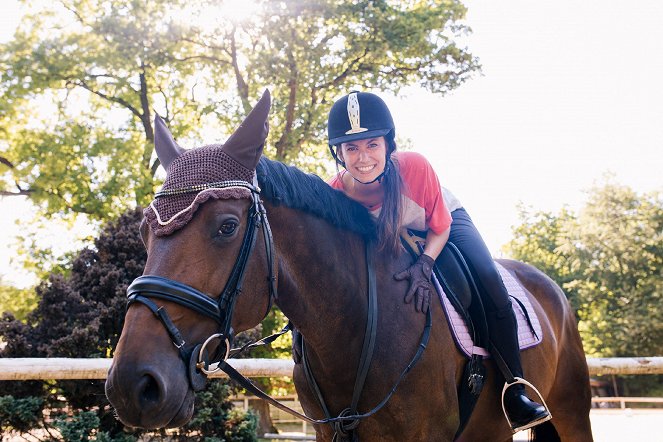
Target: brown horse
x,y
317,263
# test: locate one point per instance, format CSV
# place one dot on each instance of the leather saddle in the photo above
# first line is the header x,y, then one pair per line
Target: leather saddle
x,y
453,274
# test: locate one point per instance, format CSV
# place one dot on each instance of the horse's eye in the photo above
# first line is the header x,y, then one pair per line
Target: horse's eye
x,y
228,228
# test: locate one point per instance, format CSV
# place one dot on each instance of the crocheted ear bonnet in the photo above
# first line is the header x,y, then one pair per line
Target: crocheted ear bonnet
x,y
213,171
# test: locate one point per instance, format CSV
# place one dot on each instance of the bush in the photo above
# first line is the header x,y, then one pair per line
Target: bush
x,y
80,316
19,414
217,420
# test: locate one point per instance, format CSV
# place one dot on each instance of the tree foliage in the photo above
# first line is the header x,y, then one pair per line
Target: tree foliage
x,y
80,315
19,302
609,260
81,78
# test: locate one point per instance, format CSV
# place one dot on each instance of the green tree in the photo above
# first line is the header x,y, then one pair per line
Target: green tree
x,y
540,240
620,246
79,82
81,77
609,259
19,302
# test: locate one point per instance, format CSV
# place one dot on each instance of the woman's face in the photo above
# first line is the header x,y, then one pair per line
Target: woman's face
x,y
364,159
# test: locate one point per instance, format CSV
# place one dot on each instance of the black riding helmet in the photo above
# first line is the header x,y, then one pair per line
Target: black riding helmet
x,y
357,116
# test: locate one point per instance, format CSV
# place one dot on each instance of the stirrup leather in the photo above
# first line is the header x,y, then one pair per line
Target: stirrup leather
x,y
517,380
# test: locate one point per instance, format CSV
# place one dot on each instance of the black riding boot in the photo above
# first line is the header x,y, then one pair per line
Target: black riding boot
x,y
522,412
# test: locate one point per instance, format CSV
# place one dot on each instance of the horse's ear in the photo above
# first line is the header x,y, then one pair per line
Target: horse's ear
x,y
166,147
246,143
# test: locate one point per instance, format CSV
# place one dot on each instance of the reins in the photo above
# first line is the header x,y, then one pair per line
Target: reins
x,y
145,287
250,386
343,428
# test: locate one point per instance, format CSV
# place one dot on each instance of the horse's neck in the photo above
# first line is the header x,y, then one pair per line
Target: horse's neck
x,y
322,276
323,291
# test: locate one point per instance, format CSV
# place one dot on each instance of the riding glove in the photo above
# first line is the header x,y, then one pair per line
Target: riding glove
x,y
419,275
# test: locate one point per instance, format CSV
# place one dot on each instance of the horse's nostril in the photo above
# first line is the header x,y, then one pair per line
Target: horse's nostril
x,y
149,391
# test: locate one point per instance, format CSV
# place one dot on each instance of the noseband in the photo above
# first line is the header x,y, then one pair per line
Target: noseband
x,y
145,288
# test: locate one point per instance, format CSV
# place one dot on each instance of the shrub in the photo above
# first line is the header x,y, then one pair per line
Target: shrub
x,y
80,315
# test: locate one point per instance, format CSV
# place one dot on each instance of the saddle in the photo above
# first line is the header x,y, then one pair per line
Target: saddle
x,y
462,304
463,307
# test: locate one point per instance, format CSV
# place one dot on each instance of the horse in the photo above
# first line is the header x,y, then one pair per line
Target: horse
x,y
308,251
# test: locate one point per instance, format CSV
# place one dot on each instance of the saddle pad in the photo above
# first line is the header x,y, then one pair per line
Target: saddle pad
x,y
526,336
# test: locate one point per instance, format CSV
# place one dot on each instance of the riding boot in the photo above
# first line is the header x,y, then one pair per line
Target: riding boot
x,y
522,412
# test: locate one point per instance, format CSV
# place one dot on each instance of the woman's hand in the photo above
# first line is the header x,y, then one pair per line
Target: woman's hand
x,y
419,275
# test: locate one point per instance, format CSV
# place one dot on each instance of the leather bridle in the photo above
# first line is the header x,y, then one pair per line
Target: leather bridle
x,y
143,288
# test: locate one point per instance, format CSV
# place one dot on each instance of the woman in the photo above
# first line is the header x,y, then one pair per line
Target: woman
x,y
402,191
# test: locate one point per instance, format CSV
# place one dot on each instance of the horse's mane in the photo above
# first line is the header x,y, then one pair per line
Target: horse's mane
x,y
289,186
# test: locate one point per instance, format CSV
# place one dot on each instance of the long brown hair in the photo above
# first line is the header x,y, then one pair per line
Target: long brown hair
x,y
390,219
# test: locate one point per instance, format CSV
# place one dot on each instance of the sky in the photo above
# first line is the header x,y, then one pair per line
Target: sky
x,y
570,91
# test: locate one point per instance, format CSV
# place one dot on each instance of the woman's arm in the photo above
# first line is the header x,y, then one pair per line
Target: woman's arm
x,y
435,242
419,274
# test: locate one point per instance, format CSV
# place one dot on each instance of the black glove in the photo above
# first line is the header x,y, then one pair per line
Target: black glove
x,y
419,275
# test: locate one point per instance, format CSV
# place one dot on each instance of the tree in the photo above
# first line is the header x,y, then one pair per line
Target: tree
x,y
540,239
620,246
609,259
95,70
19,302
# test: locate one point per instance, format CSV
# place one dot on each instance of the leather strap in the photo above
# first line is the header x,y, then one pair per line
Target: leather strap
x,y
251,387
170,290
370,333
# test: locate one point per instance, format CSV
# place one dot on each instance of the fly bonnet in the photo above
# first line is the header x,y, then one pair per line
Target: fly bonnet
x,y
194,176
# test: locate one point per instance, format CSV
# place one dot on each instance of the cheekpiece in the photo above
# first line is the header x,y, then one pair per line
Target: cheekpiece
x,y
191,179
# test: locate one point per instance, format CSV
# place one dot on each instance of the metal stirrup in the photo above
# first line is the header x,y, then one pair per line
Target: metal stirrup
x,y
517,380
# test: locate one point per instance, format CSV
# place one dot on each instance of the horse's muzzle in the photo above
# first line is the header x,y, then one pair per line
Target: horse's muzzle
x,y
144,398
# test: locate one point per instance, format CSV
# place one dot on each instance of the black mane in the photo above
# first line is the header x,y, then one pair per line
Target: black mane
x,y
289,186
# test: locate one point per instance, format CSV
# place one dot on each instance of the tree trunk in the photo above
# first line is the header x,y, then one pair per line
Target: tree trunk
x,y
265,424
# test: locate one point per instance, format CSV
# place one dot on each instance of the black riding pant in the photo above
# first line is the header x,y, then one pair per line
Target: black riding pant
x,y
466,237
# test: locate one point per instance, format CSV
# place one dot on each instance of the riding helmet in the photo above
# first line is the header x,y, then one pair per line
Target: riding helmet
x,y
357,116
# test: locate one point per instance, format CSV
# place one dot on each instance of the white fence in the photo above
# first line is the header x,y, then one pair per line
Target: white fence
x,y
23,369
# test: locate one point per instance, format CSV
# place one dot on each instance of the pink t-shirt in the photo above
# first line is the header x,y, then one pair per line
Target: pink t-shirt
x,y
423,203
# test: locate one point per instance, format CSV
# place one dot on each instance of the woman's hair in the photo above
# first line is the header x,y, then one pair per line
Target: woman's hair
x,y
390,219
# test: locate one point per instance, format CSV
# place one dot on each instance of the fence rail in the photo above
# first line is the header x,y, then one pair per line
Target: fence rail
x,y
24,369
622,400
602,366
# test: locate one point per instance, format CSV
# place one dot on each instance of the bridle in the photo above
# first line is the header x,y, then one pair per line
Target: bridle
x,y
143,288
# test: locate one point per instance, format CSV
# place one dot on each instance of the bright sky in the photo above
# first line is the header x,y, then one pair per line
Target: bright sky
x,y
570,90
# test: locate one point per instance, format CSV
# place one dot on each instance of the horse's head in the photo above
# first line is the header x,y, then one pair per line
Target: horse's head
x,y
200,233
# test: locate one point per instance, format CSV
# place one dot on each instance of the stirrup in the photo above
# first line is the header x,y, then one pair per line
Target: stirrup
x,y
534,423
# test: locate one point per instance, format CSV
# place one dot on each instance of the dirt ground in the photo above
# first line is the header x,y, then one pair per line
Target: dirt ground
x,y
622,425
